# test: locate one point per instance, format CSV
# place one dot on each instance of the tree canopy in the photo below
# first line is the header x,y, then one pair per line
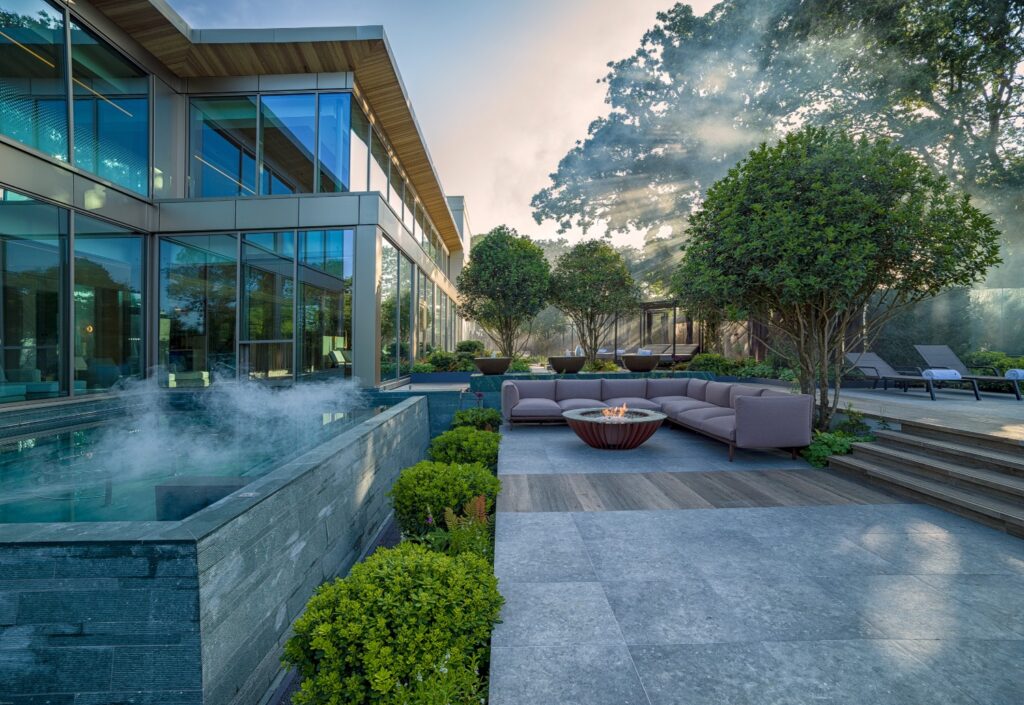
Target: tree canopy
x,y
504,285
806,234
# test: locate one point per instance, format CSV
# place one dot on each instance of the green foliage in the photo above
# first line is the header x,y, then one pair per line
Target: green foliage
x,y
407,626
481,419
714,363
807,233
504,285
472,532
473,348
600,365
466,445
422,492
443,361
1000,361
828,443
519,364
591,285
854,423
422,367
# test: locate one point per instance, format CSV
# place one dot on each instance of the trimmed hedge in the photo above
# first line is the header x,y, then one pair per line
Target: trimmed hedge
x,y
466,445
408,625
480,419
423,491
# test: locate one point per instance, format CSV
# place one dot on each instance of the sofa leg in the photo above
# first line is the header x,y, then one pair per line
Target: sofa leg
x,y
792,453
732,451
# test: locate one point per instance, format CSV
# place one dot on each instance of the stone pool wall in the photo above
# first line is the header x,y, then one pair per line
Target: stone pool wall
x,y
194,612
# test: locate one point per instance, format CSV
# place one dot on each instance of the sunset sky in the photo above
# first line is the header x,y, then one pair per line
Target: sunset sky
x,y
501,89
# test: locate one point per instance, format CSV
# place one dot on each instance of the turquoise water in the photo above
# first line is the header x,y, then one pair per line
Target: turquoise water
x,y
156,467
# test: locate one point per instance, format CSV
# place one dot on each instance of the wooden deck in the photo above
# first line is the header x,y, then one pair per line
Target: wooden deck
x,y
683,490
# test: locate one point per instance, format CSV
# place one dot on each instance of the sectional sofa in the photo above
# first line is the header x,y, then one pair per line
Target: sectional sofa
x,y
741,415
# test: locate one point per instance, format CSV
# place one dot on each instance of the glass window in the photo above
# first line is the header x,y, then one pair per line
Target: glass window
x,y
360,158
33,256
395,189
111,112
415,215
268,299
409,211
108,304
33,87
406,282
335,132
198,295
325,302
379,166
223,147
288,143
389,311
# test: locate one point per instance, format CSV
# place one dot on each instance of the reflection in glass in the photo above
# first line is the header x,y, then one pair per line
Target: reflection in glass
x,y
108,304
406,282
389,311
33,89
223,147
33,253
288,143
379,162
425,319
395,189
268,299
198,285
111,112
325,303
409,210
360,158
335,135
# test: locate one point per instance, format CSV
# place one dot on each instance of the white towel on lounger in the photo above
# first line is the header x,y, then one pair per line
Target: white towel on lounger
x,y
1015,374
941,375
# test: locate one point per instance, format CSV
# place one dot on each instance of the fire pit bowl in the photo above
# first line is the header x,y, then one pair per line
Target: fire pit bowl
x,y
614,429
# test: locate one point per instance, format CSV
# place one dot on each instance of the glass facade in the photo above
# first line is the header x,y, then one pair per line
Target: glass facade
x,y
222,147
325,303
287,144
397,279
334,129
268,306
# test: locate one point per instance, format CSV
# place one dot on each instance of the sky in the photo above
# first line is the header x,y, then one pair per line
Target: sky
x,y
501,89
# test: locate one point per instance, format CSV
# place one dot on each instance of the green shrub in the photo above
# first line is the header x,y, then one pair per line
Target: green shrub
x,y
422,367
749,367
466,445
519,364
601,366
481,419
992,358
829,443
423,491
409,625
471,347
472,532
853,424
714,363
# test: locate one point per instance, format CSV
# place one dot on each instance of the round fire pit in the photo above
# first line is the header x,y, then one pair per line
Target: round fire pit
x,y
614,429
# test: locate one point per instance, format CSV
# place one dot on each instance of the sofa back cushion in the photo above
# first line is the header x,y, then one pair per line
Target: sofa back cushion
x,y
666,387
717,393
739,390
577,389
617,388
536,389
696,388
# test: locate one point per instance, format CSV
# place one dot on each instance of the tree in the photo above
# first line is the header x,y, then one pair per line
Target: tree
x,y
591,285
504,286
807,234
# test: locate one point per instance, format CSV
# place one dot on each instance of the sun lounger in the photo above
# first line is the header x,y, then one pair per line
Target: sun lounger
x,y
878,370
943,356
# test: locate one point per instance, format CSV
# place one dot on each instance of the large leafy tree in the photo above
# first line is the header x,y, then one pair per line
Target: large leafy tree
x,y
504,286
807,234
591,285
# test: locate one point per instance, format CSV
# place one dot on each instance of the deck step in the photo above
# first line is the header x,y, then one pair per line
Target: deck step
x,y
971,454
1009,484
998,441
1007,515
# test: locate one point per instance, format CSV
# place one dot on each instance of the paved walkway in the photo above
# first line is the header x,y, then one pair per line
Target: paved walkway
x,y
858,599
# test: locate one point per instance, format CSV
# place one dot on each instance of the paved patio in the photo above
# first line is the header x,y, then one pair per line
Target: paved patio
x,y
836,594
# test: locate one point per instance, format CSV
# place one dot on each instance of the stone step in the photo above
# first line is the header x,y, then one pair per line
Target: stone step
x,y
977,504
1010,486
960,453
1007,441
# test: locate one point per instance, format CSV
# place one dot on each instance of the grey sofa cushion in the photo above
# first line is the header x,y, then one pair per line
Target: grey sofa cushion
x,y
694,417
723,427
571,404
536,389
618,388
662,401
634,403
717,393
536,408
739,390
673,408
577,389
695,389
666,387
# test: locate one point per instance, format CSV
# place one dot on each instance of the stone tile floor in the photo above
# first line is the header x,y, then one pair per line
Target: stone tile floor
x,y
890,604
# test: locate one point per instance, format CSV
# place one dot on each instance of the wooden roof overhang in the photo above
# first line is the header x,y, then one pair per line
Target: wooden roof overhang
x,y
196,53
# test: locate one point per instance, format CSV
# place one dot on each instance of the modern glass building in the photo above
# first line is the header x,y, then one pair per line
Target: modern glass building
x,y
204,205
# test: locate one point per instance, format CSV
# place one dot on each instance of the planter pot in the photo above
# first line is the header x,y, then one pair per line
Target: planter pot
x,y
567,365
492,365
641,363
441,377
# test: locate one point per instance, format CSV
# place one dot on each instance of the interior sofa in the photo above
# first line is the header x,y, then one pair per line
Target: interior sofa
x,y
740,415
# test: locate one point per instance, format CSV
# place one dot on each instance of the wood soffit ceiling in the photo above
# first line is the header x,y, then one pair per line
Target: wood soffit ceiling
x,y
222,53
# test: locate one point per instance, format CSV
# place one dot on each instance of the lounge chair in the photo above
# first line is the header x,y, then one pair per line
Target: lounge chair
x,y
878,370
944,357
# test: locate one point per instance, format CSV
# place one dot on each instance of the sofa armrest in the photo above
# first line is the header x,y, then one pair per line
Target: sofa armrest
x,y
773,421
509,398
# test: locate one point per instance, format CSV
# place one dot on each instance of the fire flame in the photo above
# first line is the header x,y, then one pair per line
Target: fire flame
x,y
615,412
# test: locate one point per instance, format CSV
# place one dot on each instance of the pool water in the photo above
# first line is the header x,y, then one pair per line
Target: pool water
x,y
159,467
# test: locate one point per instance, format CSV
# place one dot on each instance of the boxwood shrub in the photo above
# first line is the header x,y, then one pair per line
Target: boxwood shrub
x,y
423,491
480,419
407,625
466,445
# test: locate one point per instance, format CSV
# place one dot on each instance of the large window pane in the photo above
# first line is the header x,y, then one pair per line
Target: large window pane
x,y
395,189
288,143
335,136
409,210
325,302
223,147
268,298
33,87
111,112
389,311
360,158
198,287
33,256
406,281
379,161
108,304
